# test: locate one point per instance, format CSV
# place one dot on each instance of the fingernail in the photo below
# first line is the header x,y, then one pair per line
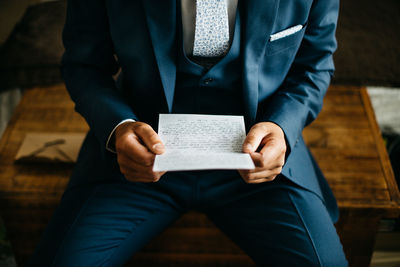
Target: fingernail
x,y
158,146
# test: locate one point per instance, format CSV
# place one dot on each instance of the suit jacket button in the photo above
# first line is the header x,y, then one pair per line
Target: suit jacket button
x,y
208,81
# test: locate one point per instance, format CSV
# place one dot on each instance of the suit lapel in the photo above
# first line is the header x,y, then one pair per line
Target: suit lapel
x,y
259,19
161,21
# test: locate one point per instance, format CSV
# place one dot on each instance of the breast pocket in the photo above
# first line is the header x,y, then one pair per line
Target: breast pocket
x,y
285,39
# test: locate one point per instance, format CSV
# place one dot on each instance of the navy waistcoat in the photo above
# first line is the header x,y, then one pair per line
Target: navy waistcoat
x,y
215,90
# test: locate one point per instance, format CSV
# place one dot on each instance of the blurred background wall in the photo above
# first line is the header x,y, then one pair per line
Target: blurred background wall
x,y
17,52
11,11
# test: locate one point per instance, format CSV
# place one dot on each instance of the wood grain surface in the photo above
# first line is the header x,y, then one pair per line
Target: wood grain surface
x,y
344,139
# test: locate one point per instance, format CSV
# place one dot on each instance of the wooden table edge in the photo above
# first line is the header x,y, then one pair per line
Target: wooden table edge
x,y
383,155
387,210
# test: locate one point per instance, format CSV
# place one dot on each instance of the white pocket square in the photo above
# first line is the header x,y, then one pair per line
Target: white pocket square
x,y
285,33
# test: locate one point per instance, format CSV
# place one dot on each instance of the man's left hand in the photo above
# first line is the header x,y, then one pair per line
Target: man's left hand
x,y
266,145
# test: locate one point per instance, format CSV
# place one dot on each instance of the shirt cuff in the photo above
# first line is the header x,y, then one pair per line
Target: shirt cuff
x,y
110,145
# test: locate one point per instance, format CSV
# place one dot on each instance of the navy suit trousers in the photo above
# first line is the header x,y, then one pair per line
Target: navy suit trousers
x,y
276,223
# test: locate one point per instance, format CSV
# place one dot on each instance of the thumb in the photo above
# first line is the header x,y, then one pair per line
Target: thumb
x,y
150,138
253,139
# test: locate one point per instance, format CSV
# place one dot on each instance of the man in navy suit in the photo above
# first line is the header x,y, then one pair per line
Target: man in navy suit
x,y
270,61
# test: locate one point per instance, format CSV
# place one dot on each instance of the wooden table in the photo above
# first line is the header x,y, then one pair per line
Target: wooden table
x,y
345,140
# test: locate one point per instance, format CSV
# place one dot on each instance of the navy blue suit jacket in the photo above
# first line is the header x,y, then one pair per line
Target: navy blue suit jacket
x,y
284,81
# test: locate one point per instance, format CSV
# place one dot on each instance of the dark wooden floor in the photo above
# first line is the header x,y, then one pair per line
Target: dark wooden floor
x,y
344,139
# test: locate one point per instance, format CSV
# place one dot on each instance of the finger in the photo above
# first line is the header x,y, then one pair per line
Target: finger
x,y
150,138
138,177
274,146
260,169
268,175
258,160
132,148
262,174
263,162
259,181
140,174
129,166
272,155
256,181
254,139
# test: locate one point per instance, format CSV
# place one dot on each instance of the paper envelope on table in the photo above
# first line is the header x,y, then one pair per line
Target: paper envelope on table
x,y
50,147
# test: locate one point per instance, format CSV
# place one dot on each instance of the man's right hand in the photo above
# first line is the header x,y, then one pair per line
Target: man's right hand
x,y
136,144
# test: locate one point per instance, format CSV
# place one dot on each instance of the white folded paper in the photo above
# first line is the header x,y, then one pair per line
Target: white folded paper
x,y
201,142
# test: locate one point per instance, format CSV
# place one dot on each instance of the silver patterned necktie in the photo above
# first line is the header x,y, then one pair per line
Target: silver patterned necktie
x,y
211,38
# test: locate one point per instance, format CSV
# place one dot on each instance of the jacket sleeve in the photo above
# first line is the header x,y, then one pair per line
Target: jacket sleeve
x,y
299,99
88,65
